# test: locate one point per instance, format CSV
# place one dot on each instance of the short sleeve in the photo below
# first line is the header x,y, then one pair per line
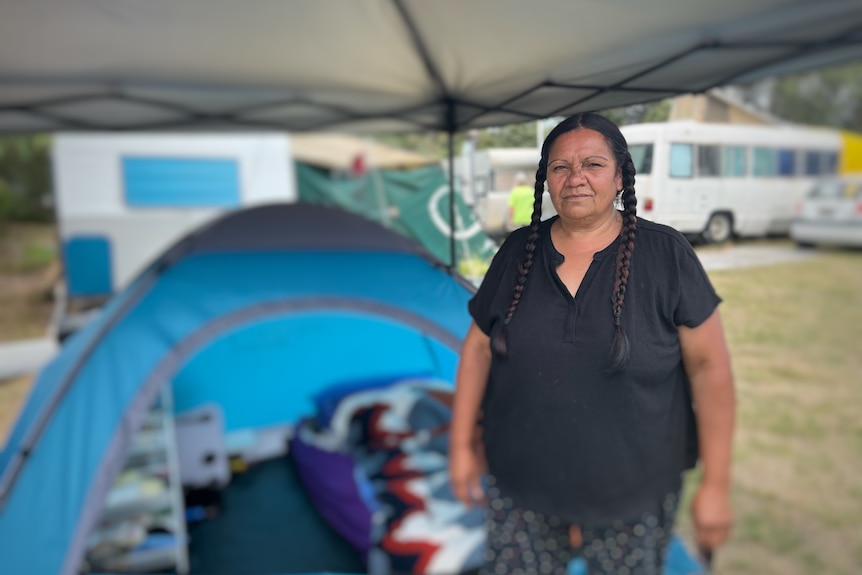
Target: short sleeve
x,y
697,297
481,306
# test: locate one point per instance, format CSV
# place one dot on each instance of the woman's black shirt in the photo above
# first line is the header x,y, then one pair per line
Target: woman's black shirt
x,y
563,435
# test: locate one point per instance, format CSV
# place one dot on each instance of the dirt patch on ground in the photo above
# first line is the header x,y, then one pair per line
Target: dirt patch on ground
x,y
26,304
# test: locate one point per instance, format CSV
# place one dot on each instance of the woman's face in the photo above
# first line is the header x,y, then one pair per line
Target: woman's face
x,y
583,178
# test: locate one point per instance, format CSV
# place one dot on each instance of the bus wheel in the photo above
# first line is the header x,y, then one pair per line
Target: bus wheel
x,y
719,228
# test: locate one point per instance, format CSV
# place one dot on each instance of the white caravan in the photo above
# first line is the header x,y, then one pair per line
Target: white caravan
x,y
720,180
122,198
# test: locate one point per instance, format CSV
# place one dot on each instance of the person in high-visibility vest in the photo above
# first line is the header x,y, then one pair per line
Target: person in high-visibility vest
x,y
520,203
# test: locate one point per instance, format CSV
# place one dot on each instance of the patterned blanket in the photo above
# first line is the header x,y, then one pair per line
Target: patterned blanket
x,y
390,446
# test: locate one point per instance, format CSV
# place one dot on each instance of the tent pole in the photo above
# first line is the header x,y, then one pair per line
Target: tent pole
x,y
450,129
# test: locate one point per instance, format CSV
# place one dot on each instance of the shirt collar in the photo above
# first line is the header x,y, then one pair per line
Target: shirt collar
x,y
558,258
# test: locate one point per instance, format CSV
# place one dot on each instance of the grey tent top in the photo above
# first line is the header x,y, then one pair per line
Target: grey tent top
x,y
389,65
273,227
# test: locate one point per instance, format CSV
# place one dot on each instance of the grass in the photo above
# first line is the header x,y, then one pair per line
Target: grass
x,y
795,335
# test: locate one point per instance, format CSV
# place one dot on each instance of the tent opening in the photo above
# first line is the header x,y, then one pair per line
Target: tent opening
x,y
236,403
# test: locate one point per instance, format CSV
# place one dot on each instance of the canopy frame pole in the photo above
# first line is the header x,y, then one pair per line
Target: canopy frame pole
x,y
450,131
451,124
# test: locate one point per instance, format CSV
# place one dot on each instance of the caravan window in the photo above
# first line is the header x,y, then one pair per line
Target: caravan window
x,y
764,162
681,157
733,164
641,157
708,161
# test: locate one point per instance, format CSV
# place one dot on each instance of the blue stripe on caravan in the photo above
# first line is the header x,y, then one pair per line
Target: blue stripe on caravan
x,y
172,182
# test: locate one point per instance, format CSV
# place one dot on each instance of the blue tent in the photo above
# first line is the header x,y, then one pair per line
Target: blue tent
x,y
255,312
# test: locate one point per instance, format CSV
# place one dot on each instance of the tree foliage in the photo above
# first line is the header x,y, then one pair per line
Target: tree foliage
x,y
25,178
828,97
523,135
513,136
436,144
658,111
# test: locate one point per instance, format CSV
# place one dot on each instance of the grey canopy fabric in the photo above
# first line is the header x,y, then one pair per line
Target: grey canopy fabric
x,y
389,65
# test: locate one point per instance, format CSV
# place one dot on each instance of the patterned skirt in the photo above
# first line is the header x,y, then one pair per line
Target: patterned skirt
x,y
523,542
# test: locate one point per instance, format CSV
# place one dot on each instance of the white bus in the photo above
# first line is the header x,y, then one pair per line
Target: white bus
x,y
720,180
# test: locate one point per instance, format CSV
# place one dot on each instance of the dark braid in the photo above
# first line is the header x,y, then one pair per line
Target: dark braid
x,y
499,342
623,160
620,346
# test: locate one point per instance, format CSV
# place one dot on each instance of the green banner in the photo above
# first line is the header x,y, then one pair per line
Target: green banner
x,y
414,203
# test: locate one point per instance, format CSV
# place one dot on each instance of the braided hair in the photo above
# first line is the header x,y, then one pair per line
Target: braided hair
x,y
623,160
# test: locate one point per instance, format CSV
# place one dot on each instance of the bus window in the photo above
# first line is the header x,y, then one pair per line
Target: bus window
x,y
819,162
641,157
708,161
812,163
733,163
681,161
764,162
786,162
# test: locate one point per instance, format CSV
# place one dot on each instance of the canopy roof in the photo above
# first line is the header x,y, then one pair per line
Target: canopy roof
x,y
389,65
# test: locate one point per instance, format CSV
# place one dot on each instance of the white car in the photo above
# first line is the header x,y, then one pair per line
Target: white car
x,y
831,214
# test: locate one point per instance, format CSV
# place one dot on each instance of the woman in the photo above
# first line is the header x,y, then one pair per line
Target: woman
x,y
593,333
